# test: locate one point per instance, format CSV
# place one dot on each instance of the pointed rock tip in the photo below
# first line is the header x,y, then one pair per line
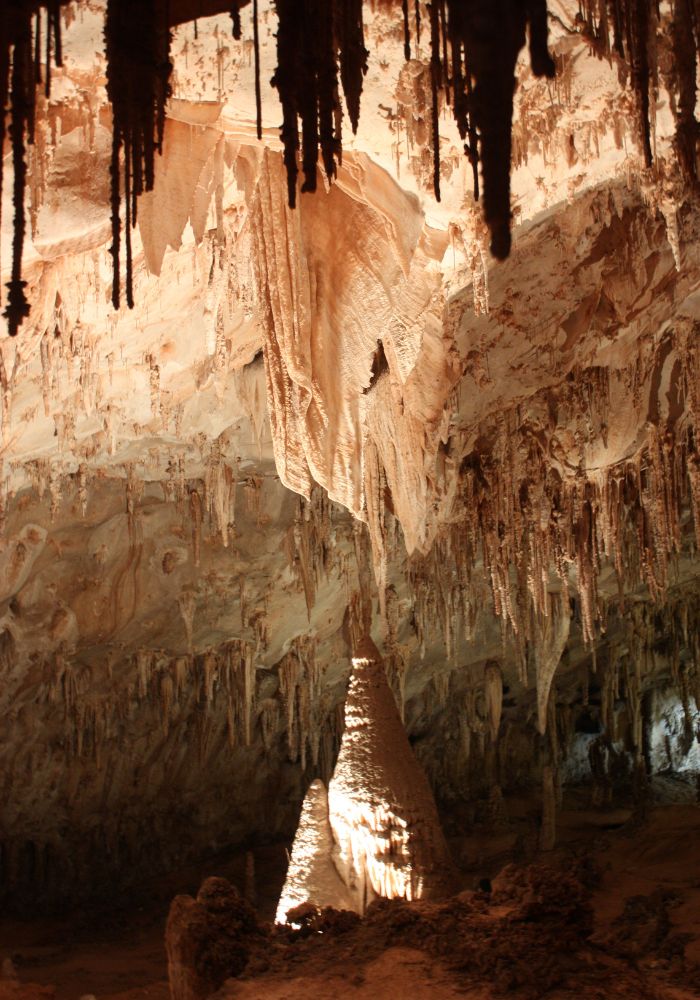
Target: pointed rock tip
x,y
365,649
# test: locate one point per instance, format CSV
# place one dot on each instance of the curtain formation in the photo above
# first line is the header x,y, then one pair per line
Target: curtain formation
x,y
474,47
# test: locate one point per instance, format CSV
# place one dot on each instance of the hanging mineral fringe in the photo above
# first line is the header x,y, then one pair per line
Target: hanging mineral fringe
x,y
474,49
236,20
21,124
350,39
317,41
406,32
20,74
138,88
256,49
686,36
320,46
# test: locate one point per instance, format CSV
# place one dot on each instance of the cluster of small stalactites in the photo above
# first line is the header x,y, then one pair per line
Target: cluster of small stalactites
x,y
221,679
537,531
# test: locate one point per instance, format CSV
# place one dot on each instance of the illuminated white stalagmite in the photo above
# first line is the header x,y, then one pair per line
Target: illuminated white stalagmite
x,y
382,812
312,877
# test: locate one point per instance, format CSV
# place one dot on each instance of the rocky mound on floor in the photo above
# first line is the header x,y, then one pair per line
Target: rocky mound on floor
x,y
528,935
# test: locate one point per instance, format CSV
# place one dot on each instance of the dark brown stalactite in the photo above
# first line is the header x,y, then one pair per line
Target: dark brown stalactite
x,y
406,33
638,46
474,48
53,35
616,11
685,46
37,48
236,20
484,43
327,93
115,176
256,51
137,41
435,84
446,81
286,75
22,90
313,45
129,207
54,7
540,59
20,75
48,54
632,23
316,42
350,39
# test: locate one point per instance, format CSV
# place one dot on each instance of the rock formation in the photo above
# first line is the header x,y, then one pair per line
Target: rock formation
x,y
312,877
380,805
208,939
376,832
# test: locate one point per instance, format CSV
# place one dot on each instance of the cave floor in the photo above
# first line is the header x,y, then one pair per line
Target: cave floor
x,y
646,902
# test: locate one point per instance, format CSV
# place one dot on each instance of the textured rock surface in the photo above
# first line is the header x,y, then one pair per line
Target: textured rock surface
x,y
381,809
207,939
375,834
312,877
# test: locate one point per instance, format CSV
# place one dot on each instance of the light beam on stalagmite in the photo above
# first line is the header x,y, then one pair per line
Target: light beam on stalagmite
x,y
312,876
381,827
381,807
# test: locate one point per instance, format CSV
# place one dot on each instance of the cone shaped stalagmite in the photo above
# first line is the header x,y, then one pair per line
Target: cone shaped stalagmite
x,y
386,835
382,810
312,877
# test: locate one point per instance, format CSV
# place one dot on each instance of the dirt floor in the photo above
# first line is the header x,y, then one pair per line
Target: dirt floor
x,y
612,914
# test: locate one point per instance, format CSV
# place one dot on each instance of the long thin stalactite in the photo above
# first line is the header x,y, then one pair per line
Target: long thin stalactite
x,y
20,76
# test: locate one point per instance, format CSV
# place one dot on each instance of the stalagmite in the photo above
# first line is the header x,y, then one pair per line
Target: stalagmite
x,y
381,808
376,832
312,876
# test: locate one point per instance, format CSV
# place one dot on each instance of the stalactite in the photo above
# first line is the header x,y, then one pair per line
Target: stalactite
x,y
289,679
269,721
529,524
299,678
138,88
473,57
549,645
252,492
82,488
320,47
247,667
196,517
187,604
155,391
220,491
308,544
17,33
316,43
